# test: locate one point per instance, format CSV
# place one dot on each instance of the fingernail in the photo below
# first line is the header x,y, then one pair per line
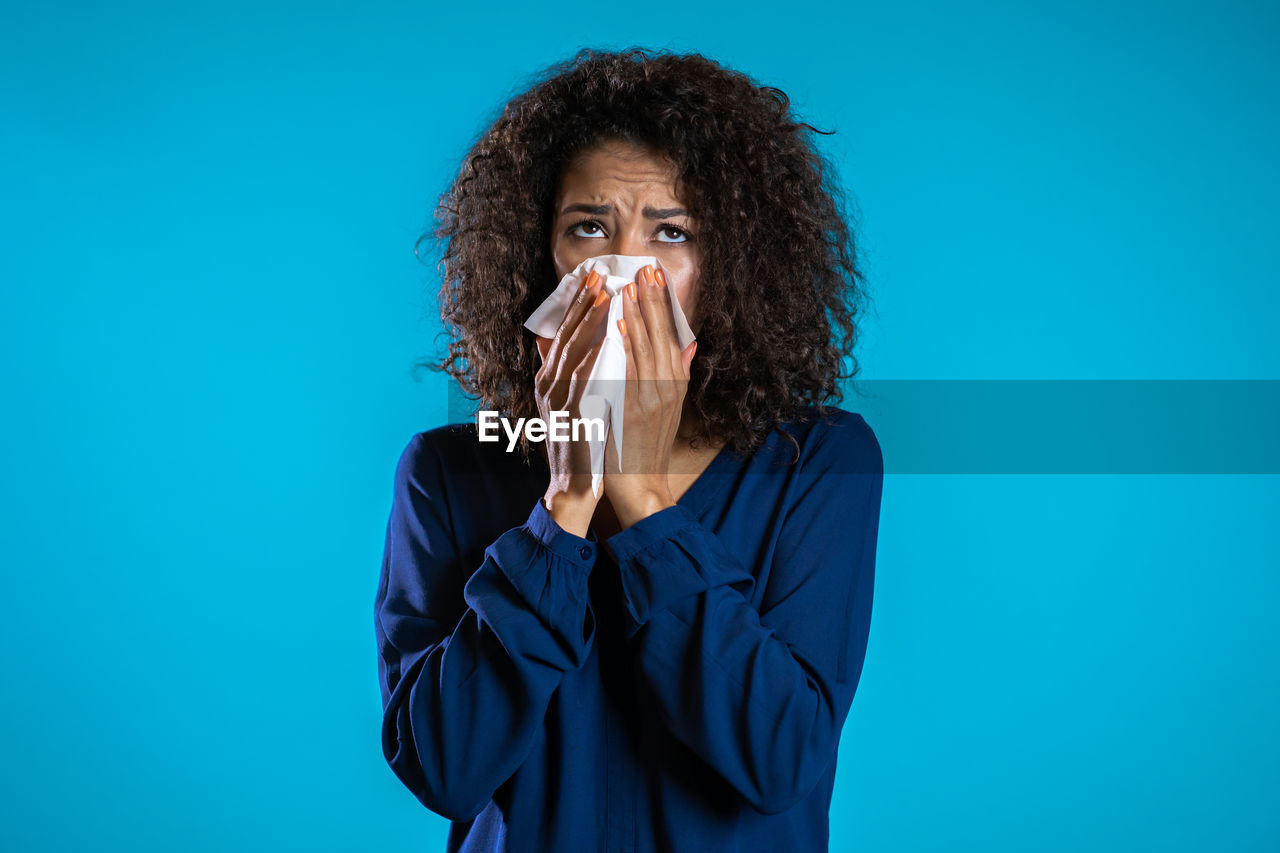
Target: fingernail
x,y
631,291
622,325
648,274
662,279
591,280
601,296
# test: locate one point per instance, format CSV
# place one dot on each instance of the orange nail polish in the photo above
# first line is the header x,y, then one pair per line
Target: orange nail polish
x,y
662,279
622,325
601,296
631,291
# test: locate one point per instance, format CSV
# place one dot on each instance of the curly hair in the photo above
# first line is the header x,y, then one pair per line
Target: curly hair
x,y
779,287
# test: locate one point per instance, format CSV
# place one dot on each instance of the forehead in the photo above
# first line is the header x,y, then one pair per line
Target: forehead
x,y
619,168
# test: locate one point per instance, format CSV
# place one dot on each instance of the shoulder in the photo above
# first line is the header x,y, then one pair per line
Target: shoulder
x,y
420,460
441,442
834,439
454,454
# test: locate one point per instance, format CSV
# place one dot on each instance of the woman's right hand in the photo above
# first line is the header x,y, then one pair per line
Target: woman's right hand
x,y
567,360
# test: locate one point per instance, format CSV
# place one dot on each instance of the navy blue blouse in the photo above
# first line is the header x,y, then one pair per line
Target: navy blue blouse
x,y
680,686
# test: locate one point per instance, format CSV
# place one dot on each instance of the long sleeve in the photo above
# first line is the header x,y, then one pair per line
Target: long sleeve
x,y
468,665
761,695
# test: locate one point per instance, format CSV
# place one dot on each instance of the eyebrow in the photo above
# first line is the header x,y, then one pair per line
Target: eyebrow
x,y
606,209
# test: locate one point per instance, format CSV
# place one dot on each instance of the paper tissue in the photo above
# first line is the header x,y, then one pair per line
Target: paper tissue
x,y
605,393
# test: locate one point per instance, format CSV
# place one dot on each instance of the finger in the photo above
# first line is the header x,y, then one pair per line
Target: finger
x,y
552,376
577,464
580,341
641,353
686,357
630,383
552,359
626,348
581,303
583,370
655,305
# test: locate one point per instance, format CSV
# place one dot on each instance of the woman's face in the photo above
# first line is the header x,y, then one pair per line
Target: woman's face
x,y
620,199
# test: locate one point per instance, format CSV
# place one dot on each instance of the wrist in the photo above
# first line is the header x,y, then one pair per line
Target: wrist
x,y
641,506
573,513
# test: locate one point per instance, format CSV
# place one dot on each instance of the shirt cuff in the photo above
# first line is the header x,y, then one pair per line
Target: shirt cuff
x,y
549,569
557,540
648,530
667,556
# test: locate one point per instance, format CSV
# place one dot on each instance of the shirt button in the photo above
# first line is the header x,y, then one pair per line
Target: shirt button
x,y
585,552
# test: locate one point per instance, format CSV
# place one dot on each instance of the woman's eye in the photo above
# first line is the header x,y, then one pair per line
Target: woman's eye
x,y
586,224
668,229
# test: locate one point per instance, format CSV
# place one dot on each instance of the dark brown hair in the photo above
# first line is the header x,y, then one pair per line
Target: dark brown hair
x,y
779,287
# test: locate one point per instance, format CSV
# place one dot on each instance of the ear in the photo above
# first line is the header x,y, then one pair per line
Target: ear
x,y
544,346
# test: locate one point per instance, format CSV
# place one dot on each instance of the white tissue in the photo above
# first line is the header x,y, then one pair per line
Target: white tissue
x,y
605,393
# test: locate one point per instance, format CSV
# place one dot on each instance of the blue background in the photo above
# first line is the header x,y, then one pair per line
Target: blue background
x,y
211,307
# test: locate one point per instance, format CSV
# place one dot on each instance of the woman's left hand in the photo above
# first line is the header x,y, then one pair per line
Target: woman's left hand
x,y
657,378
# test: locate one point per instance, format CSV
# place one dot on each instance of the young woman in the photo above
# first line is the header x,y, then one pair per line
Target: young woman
x,y
668,664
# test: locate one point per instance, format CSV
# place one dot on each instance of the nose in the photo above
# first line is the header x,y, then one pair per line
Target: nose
x,y
626,243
